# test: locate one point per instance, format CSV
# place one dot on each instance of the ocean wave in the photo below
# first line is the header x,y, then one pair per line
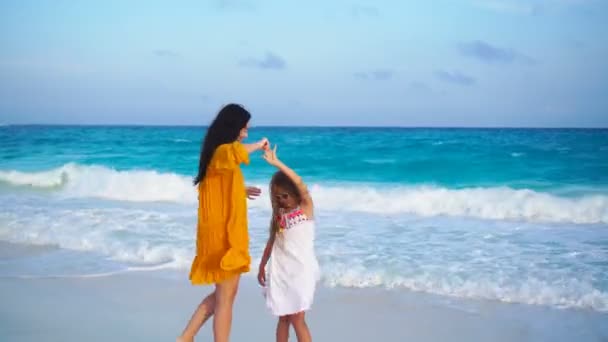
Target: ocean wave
x,y
380,161
44,179
74,180
570,293
495,203
155,239
138,238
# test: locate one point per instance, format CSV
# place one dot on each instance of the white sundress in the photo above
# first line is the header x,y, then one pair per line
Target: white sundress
x,y
293,270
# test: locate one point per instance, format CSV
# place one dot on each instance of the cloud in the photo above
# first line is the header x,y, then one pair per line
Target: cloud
x,y
235,5
487,53
578,44
455,77
47,66
510,7
361,75
375,75
165,53
360,11
529,7
270,61
294,102
420,87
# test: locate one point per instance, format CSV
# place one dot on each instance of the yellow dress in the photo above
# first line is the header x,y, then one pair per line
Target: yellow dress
x,y
222,239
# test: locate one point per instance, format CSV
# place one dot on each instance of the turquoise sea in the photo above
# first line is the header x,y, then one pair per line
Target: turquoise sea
x,y
511,215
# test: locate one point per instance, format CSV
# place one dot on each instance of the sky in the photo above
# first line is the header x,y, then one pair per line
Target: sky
x,y
464,63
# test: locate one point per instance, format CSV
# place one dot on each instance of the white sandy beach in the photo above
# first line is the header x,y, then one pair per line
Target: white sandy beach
x,y
154,306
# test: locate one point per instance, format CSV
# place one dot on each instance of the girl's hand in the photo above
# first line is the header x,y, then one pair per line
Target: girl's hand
x,y
262,276
270,155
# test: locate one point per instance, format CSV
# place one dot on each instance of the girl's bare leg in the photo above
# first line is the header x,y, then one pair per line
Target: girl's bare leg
x,y
283,329
300,326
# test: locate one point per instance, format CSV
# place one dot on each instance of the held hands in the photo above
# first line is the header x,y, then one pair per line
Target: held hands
x,y
270,155
264,144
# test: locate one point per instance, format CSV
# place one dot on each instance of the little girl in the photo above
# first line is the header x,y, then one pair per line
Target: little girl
x,y
293,270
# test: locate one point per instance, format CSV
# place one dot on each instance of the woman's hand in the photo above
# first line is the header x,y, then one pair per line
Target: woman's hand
x,y
262,276
253,192
264,144
270,155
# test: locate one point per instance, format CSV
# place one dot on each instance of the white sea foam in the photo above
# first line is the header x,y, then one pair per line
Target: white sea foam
x,y
496,203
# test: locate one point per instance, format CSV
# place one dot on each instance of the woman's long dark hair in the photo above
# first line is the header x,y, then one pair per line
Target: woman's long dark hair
x,y
224,129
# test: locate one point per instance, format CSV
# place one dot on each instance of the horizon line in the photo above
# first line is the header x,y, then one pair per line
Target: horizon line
x,y
294,126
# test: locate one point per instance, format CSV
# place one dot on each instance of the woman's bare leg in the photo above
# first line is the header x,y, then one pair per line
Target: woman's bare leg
x,y
225,293
199,317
